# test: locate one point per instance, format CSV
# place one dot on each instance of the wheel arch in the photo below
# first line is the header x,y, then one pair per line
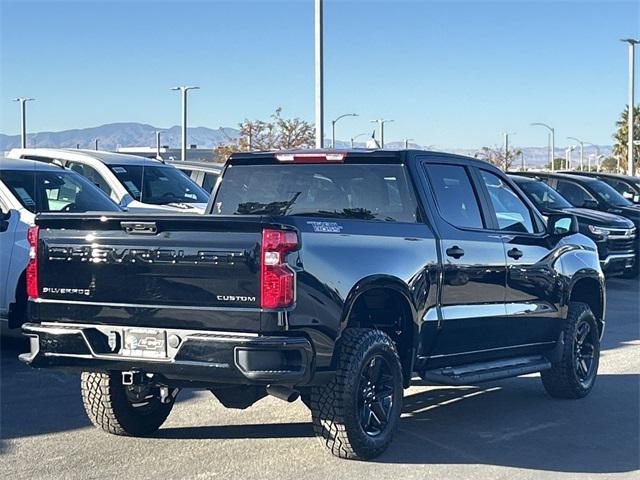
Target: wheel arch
x,y
590,290
384,302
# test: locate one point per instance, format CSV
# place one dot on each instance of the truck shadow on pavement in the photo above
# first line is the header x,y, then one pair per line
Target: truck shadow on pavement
x,y
514,423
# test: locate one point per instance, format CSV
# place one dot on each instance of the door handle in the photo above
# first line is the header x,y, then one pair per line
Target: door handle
x,y
515,253
455,252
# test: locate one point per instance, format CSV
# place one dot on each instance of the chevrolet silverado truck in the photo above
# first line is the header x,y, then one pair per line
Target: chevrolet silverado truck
x,y
334,276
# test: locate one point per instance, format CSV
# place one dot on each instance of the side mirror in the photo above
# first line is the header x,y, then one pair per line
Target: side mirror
x,y
4,220
561,224
628,195
125,200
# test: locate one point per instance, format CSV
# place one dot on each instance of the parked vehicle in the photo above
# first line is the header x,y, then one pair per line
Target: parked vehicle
x,y
586,192
615,236
28,188
625,185
135,183
204,174
333,275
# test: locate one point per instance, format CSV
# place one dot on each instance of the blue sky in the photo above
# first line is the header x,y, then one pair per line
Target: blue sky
x,y
450,73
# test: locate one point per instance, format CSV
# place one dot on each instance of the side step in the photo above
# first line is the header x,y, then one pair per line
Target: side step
x,y
485,371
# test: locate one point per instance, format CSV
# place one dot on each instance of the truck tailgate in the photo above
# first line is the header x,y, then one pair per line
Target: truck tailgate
x,y
141,267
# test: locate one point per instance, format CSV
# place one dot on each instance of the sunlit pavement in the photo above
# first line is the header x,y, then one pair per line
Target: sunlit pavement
x,y
505,429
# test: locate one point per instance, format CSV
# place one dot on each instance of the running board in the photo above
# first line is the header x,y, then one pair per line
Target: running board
x,y
485,371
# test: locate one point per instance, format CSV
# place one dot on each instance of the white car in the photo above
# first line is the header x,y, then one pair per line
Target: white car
x,y
135,183
28,188
204,174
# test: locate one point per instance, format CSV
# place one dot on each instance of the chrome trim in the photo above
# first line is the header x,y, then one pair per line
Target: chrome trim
x,y
145,305
616,256
525,345
461,312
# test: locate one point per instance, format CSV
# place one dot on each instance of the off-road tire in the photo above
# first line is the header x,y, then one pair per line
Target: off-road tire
x,y
334,406
562,380
110,409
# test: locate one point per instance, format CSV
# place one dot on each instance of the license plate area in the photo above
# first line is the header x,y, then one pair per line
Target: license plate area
x,y
144,343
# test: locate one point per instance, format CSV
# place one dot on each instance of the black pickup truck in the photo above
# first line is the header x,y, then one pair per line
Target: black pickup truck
x,y
334,276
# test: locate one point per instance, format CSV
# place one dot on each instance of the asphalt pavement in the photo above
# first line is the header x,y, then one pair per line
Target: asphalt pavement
x,y
505,429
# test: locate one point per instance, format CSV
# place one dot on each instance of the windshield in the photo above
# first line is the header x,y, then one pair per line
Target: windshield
x,y
608,194
543,196
62,191
363,192
158,185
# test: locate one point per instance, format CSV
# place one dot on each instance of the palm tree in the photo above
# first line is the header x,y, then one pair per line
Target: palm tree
x,y
622,134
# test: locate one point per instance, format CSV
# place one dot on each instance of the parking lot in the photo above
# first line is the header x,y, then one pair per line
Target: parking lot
x,y
505,429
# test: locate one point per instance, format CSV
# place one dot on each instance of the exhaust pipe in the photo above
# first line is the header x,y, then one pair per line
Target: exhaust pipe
x,y
283,393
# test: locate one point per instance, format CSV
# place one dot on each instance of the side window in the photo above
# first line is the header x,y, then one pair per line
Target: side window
x,y
512,213
90,174
576,195
455,197
209,181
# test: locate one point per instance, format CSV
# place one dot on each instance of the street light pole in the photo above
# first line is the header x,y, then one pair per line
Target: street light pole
x,y
552,154
597,154
406,143
506,149
333,127
183,90
353,139
23,120
581,151
567,156
381,122
630,166
319,72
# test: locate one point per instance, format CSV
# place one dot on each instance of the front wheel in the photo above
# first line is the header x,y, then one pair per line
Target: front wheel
x,y
131,410
356,413
575,374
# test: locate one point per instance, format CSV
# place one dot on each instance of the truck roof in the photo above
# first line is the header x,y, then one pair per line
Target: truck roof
x,y
108,158
358,155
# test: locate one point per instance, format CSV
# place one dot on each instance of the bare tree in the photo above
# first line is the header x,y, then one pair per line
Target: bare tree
x,y
277,133
496,156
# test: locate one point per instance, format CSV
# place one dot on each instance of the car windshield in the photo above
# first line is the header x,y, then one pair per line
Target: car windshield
x,y
360,192
608,194
158,185
63,191
543,196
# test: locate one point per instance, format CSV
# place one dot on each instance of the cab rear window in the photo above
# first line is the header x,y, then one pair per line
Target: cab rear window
x,y
363,191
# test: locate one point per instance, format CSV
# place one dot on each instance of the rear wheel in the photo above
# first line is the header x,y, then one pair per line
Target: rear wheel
x,y
356,414
131,410
575,374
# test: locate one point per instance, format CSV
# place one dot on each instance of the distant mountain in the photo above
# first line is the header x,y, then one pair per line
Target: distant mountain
x,y
113,135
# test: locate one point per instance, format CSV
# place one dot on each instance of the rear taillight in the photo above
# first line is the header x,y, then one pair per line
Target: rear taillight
x,y
276,279
32,266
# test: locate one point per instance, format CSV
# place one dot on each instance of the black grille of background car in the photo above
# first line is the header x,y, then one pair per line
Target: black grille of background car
x,y
622,244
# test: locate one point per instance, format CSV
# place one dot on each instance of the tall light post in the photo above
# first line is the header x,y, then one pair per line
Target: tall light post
x,y
552,153
599,160
597,154
319,72
23,120
381,122
354,138
183,90
567,156
630,166
581,151
506,149
333,127
406,143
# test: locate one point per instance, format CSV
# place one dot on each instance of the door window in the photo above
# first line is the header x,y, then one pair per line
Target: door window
x,y
455,197
209,181
577,196
512,213
90,174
